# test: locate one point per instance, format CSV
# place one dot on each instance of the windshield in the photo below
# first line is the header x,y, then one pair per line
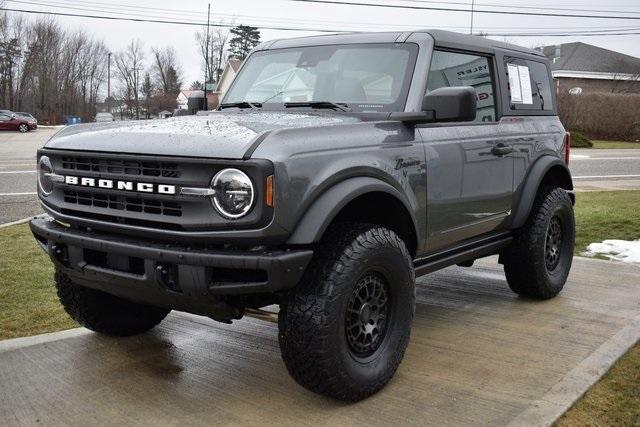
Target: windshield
x,y
365,77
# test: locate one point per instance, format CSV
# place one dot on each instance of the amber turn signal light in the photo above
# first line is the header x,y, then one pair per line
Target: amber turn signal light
x,y
268,194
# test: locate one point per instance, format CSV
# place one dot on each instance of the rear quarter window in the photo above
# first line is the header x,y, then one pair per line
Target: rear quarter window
x,y
465,69
529,86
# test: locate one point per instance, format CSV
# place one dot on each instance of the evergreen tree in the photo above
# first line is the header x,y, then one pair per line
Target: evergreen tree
x,y
173,82
243,39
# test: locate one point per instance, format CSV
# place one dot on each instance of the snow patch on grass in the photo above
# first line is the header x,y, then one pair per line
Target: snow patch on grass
x,y
618,250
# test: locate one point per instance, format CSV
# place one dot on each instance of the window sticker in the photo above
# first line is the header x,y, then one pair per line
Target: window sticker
x,y
525,84
514,83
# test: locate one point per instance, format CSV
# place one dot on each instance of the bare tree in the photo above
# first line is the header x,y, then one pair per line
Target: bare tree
x,y
625,83
147,92
129,63
167,73
213,62
48,71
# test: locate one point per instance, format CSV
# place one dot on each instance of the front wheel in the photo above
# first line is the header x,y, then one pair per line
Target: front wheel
x,y
538,261
105,313
23,128
345,327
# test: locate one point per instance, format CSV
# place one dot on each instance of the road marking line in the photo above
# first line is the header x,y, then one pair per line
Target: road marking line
x,y
19,194
605,176
16,172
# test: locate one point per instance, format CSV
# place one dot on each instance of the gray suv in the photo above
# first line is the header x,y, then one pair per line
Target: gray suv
x,y
336,170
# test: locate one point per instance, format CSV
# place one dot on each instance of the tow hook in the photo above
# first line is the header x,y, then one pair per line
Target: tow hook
x,y
167,275
61,254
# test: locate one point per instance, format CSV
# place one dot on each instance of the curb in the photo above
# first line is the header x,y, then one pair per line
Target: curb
x,y
18,343
579,380
20,221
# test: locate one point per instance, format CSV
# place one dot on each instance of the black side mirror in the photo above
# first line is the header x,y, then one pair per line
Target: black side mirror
x,y
451,104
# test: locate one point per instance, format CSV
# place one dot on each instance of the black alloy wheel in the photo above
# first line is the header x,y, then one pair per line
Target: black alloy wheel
x,y
367,315
553,243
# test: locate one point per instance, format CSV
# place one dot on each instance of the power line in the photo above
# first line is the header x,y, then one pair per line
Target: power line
x,y
270,21
119,6
587,9
449,9
279,28
156,21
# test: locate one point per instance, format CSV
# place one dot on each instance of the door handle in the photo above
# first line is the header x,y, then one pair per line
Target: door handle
x,y
501,149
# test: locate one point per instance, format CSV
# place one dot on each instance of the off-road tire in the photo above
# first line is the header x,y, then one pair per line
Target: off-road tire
x,y
527,262
23,128
314,342
105,313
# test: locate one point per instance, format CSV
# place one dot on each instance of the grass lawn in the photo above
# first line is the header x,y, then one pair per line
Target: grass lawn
x,y
614,401
606,215
615,144
28,301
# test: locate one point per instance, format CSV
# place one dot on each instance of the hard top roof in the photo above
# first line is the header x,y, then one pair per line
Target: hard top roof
x,y
441,37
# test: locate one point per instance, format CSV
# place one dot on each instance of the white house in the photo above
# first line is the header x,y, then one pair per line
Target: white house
x,y
227,76
185,95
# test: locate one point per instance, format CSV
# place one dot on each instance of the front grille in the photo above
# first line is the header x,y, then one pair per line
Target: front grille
x,y
123,203
121,167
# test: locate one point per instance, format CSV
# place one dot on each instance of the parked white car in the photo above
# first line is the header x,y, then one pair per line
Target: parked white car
x,y
104,117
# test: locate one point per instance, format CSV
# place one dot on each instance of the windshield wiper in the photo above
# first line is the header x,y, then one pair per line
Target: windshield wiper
x,y
241,104
318,104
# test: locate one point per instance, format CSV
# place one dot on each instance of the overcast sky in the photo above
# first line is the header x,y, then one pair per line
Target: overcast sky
x,y
286,13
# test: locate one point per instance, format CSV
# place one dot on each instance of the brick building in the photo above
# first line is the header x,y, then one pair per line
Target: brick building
x,y
584,68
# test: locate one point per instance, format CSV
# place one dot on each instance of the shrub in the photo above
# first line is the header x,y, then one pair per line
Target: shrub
x,y
578,140
601,115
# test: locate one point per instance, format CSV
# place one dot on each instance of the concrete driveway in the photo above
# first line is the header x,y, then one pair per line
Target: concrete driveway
x,y
478,355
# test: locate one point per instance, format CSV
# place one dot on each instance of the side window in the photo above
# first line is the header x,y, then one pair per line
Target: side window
x,y
529,86
459,69
4,118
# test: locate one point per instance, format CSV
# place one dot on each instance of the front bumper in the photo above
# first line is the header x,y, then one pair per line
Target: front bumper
x,y
169,275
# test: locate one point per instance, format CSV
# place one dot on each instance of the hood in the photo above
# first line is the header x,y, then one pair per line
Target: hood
x,y
224,135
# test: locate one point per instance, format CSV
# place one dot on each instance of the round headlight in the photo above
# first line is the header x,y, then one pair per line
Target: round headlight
x,y
233,197
44,181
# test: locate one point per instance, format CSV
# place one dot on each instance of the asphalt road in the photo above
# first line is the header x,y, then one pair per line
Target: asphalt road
x,y
591,169
594,170
478,355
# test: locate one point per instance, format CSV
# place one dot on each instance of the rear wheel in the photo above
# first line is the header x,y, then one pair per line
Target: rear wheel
x,y
538,261
345,327
105,313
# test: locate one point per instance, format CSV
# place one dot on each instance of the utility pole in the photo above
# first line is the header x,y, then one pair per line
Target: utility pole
x,y
206,62
135,83
471,25
109,82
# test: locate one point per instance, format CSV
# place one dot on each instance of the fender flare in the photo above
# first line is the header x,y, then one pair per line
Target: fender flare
x,y
529,189
326,207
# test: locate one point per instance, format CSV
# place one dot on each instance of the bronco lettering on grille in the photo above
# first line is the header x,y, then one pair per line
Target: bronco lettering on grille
x,y
142,187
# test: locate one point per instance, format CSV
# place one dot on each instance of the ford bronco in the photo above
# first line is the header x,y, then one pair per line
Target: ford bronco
x,y
336,169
